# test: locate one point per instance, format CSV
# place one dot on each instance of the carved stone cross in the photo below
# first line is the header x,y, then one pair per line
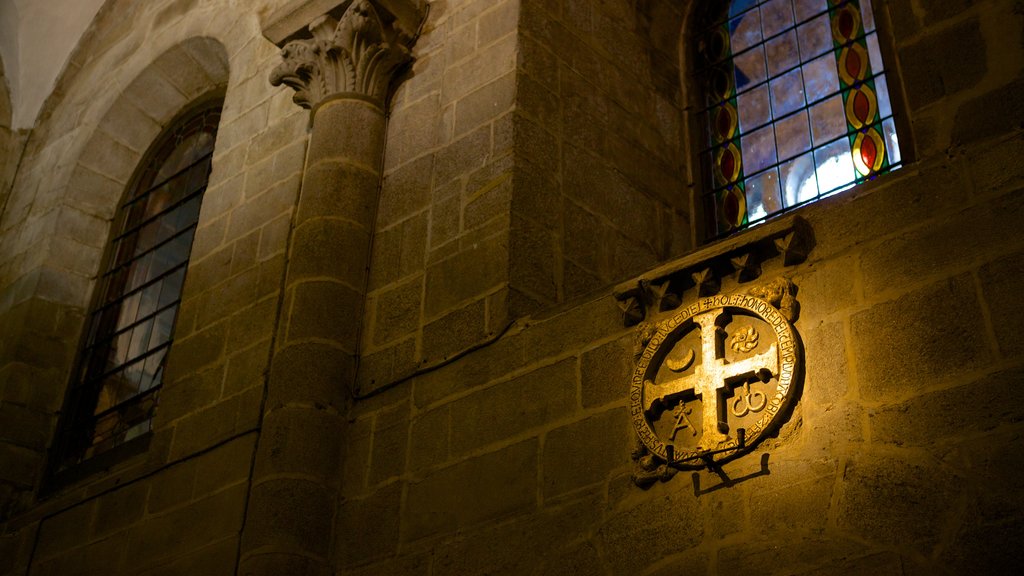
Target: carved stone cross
x,y
711,377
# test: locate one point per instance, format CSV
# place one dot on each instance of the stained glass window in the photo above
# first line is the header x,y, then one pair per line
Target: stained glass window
x,y
120,370
796,104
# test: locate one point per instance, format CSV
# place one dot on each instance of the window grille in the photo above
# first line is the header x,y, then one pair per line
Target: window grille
x,y
797,107
120,369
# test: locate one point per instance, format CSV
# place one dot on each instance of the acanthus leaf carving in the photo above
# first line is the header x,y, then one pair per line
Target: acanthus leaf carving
x,y
357,53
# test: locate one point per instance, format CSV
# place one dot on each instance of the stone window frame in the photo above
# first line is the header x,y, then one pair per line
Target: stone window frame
x,y
74,415
695,22
195,70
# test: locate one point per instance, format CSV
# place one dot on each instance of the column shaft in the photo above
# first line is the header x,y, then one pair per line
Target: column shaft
x,y
295,484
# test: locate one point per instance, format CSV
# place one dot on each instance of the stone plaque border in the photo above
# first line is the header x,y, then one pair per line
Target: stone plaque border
x,y
790,365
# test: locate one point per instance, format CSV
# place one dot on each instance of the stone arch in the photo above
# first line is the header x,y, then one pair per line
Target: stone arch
x,y
169,85
68,216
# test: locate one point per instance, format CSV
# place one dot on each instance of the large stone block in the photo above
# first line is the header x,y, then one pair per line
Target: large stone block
x,y
468,275
24,426
288,515
324,310
633,535
382,367
481,367
300,441
66,530
102,557
120,509
398,251
483,488
314,373
171,487
486,103
932,334
329,190
486,64
799,554
605,372
186,529
520,546
533,266
586,452
965,240
508,409
989,115
405,191
462,156
368,528
331,249
947,415
943,63
205,428
390,443
428,438
397,312
347,129
880,493
216,558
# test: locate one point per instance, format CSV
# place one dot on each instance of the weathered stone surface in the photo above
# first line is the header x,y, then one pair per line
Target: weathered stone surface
x,y
481,367
428,439
633,535
520,546
186,529
880,492
119,509
793,554
944,63
605,372
455,332
300,441
464,494
897,343
369,527
945,243
995,400
311,366
469,274
390,439
999,281
585,452
509,408
65,531
292,503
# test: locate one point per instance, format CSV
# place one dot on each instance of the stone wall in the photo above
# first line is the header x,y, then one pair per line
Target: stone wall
x,y
530,160
899,456
536,154
179,505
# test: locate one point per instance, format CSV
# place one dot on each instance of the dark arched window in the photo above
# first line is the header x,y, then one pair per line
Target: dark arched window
x,y
797,106
117,379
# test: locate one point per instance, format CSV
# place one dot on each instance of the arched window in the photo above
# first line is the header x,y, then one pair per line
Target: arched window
x,y
797,106
117,379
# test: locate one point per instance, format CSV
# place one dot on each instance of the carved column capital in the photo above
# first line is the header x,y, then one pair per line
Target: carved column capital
x,y
357,52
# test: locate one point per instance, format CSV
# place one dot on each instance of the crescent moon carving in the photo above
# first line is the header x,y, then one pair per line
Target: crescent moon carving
x,y
680,365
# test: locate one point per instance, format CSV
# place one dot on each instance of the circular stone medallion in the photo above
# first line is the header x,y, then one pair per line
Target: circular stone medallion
x,y
722,364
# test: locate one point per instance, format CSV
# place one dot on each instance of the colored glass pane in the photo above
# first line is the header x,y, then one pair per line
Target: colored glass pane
x,y
805,111
120,372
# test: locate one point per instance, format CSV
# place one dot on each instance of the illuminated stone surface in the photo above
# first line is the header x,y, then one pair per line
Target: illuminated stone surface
x,y
531,204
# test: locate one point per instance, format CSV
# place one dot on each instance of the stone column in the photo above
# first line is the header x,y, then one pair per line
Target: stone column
x,y
342,73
